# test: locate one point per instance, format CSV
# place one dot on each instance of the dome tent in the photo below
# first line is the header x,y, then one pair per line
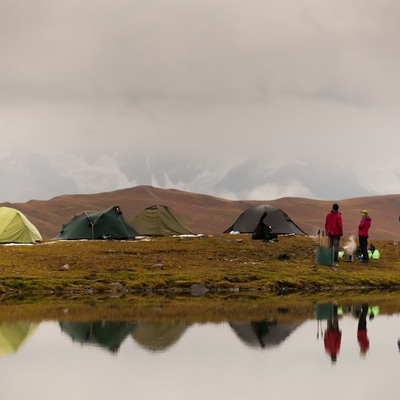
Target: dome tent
x,y
108,224
278,220
16,228
159,220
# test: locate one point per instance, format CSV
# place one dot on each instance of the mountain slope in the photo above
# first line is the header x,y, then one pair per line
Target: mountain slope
x,y
212,215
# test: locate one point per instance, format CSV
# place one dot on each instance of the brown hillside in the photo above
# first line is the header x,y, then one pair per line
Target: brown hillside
x,y
213,215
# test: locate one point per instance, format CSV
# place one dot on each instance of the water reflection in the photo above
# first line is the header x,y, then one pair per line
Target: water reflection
x,y
362,336
277,357
332,334
12,336
263,334
158,336
108,335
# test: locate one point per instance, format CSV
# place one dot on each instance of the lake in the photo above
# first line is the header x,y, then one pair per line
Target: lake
x,y
173,358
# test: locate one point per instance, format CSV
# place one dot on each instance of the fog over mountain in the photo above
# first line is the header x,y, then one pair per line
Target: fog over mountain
x,y
41,176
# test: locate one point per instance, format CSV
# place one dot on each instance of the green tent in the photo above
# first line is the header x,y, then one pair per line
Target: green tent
x,y
108,224
158,220
16,228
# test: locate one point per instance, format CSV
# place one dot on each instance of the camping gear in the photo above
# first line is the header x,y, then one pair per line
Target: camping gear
x,y
276,218
325,255
16,228
159,220
108,224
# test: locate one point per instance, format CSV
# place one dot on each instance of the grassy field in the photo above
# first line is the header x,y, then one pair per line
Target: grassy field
x,y
94,279
172,264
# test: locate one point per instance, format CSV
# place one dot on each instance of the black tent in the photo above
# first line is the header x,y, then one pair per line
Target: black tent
x,y
278,220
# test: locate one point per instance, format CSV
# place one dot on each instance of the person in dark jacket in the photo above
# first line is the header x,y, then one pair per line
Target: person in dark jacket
x,y
363,232
334,229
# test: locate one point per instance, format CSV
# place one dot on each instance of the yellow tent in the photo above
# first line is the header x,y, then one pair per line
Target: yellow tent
x,y
16,228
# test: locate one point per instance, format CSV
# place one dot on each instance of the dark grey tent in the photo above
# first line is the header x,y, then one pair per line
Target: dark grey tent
x,y
108,224
159,220
274,217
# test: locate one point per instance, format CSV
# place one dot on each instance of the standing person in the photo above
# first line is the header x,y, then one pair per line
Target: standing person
x,y
363,232
334,229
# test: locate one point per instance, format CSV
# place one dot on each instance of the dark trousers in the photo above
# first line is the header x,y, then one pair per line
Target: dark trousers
x,y
363,240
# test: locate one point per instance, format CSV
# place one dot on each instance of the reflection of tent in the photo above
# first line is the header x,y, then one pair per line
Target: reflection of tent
x,y
158,336
159,220
263,333
108,224
16,228
108,335
280,222
12,336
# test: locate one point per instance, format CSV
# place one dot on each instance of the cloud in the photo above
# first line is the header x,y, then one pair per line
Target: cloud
x,y
222,79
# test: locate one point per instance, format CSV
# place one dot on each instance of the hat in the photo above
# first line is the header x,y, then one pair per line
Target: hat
x,y
364,212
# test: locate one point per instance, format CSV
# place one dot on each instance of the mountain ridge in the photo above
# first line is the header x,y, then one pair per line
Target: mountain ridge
x,y
213,215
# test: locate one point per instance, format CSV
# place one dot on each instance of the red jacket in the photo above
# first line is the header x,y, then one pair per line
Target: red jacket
x,y
333,224
364,226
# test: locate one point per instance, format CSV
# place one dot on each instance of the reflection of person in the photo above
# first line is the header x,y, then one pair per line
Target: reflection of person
x,y
362,336
333,335
363,231
334,229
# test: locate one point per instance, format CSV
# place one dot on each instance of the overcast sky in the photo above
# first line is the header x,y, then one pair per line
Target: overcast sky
x,y
224,78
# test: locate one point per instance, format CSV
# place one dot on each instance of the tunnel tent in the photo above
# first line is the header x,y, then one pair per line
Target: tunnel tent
x,y
160,220
108,224
277,219
15,227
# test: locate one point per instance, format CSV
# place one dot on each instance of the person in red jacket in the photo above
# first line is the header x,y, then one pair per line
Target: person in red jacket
x,y
363,232
334,229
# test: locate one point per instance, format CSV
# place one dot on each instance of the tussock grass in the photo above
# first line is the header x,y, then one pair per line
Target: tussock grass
x,y
172,264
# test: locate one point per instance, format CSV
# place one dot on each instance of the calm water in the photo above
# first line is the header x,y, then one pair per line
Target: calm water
x,y
230,360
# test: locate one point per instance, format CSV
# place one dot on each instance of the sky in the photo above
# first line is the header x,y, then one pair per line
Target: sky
x,y
316,79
